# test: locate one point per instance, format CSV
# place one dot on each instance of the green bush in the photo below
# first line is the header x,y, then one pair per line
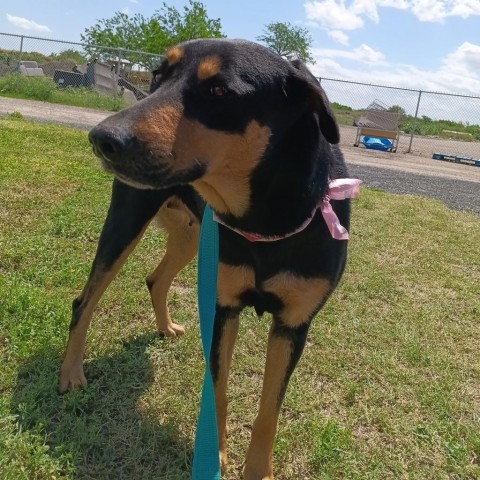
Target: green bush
x,y
37,88
426,126
87,97
44,89
339,106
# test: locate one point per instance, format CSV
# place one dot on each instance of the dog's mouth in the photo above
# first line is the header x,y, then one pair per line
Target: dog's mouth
x,y
138,163
142,171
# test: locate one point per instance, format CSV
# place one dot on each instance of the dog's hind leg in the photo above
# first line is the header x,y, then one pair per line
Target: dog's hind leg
x,y
183,229
128,216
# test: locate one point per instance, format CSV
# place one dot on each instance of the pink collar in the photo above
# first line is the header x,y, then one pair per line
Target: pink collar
x,y
339,189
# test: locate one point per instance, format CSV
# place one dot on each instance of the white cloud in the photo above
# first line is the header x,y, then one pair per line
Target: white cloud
x,y
466,8
342,15
429,10
400,4
126,10
133,1
339,36
365,7
26,24
368,55
362,54
465,60
459,71
438,10
332,15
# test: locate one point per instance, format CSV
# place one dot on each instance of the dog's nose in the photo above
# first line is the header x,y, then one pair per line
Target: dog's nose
x,y
109,142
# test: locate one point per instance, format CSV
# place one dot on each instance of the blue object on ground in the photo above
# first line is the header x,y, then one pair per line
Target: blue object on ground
x,y
206,465
451,157
377,143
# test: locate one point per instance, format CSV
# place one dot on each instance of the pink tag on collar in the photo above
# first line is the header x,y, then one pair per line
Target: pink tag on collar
x,y
338,189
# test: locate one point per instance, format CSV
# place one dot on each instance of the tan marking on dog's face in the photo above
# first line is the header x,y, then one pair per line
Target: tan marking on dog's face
x,y
232,282
300,296
180,142
231,158
174,55
159,129
208,67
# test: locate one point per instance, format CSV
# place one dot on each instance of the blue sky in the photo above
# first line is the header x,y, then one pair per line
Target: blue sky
x,y
424,44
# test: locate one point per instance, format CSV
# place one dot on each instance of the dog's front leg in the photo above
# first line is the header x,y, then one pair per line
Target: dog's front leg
x,y
301,298
128,216
285,346
223,342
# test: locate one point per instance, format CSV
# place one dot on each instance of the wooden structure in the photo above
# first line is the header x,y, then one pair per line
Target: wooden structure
x,y
379,124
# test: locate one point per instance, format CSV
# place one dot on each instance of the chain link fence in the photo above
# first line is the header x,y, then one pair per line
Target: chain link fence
x,y
428,123
111,71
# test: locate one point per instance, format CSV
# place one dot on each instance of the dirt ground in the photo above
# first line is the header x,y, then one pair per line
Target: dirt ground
x,y
420,162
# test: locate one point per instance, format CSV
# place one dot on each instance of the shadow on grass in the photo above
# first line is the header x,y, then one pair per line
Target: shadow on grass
x,y
98,432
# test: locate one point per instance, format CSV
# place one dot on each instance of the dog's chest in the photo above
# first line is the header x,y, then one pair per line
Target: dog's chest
x,y
291,297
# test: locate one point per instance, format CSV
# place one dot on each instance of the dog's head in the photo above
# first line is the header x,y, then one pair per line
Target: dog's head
x,y
219,110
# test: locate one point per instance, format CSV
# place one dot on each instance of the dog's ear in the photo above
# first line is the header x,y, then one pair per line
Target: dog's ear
x,y
307,90
155,80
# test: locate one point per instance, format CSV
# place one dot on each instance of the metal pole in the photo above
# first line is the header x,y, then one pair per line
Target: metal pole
x,y
21,47
414,123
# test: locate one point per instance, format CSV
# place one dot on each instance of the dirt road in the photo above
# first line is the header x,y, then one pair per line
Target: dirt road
x,y
77,117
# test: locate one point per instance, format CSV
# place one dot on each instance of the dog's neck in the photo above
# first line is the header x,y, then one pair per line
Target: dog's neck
x,y
339,189
287,186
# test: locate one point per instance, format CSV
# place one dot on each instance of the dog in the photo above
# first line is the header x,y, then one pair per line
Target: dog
x,y
232,124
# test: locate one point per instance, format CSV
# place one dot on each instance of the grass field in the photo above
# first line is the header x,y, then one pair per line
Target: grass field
x,y
46,90
388,387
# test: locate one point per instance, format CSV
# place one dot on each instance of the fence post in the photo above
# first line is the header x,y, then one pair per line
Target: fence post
x,y
119,59
21,48
414,123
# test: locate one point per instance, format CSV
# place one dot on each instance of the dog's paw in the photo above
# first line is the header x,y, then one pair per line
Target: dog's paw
x,y
71,379
256,472
256,477
172,330
223,460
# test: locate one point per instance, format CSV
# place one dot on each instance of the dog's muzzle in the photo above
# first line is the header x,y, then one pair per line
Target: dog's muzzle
x,y
112,144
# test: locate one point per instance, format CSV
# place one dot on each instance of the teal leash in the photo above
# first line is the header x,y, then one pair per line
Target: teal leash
x,y
205,456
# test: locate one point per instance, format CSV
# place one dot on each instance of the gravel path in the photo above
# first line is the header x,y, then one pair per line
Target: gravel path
x,y
455,184
456,194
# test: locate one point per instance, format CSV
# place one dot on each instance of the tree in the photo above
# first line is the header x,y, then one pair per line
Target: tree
x,y
69,55
194,23
288,40
397,109
154,35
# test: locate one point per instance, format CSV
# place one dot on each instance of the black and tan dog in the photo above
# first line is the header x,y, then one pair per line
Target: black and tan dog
x,y
232,124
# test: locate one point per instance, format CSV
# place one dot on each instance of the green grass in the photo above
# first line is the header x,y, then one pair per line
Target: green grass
x,y
45,90
388,387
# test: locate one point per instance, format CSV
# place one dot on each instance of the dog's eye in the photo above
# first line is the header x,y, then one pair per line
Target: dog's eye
x,y
218,90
